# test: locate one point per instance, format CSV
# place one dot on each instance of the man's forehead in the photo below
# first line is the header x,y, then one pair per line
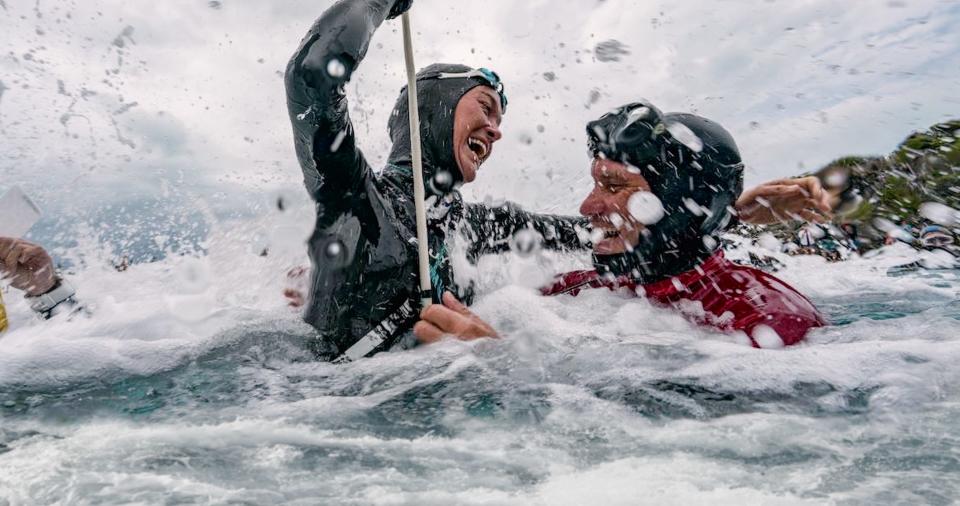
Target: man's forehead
x,y
608,169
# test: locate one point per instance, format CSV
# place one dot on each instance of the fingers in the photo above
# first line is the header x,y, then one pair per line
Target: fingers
x,y
812,216
294,298
427,332
445,318
6,243
35,258
814,187
450,301
454,319
12,258
778,190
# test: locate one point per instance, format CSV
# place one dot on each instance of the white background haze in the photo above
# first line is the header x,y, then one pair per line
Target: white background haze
x,y
105,100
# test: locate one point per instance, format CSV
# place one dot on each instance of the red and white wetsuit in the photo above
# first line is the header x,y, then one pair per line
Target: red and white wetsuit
x,y
734,297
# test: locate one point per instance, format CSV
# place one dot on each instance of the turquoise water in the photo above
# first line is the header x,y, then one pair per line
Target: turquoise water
x,y
589,400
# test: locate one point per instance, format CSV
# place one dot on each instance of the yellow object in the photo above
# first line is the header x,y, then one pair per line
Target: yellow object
x,y
3,316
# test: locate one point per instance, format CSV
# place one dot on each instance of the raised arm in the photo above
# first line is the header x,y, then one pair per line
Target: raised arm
x,y
495,229
316,100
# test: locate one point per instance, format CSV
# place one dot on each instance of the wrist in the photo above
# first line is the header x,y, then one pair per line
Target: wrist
x,y
44,288
45,303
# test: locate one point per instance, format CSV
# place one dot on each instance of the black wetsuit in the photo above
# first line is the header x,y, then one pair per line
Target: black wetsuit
x,y
363,248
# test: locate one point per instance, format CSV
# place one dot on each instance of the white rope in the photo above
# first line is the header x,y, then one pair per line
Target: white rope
x,y
418,194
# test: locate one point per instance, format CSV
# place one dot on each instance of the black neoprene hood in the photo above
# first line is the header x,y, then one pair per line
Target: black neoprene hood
x,y
438,99
692,165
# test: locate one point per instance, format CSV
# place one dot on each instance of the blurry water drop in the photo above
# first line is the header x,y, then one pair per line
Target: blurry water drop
x,y
710,242
441,182
549,76
193,275
616,220
334,249
645,207
940,213
766,337
836,179
693,207
769,241
596,235
593,97
337,141
336,69
610,50
685,136
526,242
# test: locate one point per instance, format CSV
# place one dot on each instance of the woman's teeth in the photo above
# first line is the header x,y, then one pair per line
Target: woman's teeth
x,y
479,149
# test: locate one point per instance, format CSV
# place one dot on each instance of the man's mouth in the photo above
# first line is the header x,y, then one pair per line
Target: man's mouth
x,y
605,230
479,148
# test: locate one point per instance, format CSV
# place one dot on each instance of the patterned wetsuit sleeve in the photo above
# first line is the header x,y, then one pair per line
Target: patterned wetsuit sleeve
x,y
316,101
493,229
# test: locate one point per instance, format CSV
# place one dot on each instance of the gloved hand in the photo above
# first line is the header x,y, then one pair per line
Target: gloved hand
x,y
399,8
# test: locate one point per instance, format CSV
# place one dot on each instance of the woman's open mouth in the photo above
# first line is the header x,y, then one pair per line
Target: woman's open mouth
x,y
479,148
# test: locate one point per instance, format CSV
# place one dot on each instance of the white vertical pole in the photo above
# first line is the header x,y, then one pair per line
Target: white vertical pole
x,y
416,151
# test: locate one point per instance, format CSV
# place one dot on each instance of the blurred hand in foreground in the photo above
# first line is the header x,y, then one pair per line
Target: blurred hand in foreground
x,y
784,200
26,266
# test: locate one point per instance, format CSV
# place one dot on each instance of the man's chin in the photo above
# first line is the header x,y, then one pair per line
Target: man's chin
x,y
612,246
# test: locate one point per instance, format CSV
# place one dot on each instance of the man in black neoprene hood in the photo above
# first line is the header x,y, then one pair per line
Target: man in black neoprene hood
x,y
364,292
363,249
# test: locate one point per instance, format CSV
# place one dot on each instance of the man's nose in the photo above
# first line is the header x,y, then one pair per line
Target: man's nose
x,y
593,205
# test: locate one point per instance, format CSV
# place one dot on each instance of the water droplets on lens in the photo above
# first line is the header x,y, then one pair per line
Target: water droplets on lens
x,y
336,69
526,242
685,136
645,207
334,249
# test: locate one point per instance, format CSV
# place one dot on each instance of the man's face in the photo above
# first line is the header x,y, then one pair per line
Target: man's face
x,y
476,126
607,206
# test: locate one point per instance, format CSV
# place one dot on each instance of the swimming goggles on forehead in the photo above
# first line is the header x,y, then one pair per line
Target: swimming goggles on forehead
x,y
489,76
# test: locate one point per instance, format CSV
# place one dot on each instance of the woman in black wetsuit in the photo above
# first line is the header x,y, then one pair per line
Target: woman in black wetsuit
x,y
363,249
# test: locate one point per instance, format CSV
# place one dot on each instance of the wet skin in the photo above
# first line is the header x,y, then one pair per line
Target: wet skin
x,y
476,127
607,206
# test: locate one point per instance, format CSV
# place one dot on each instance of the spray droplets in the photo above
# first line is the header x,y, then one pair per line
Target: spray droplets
x,y
336,69
526,242
645,207
441,182
710,242
610,50
685,136
334,249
